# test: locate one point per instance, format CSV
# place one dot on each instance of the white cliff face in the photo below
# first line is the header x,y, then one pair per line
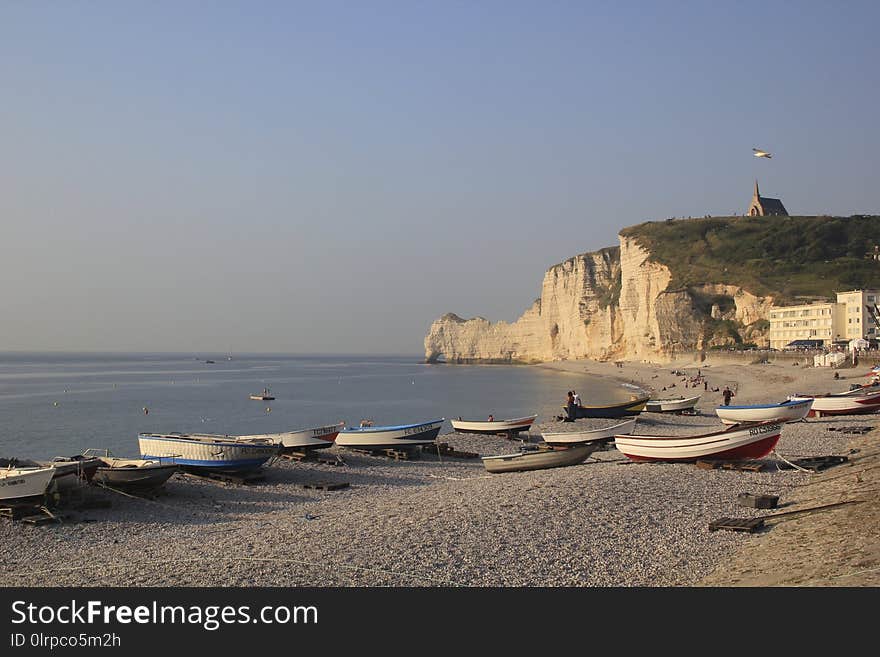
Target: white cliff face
x,y
613,303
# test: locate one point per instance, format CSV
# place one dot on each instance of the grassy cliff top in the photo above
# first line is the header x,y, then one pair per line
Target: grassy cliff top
x,y
786,257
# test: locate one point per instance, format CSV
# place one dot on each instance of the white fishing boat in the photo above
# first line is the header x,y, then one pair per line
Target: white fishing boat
x,y
390,437
787,411
23,483
739,441
304,439
836,404
207,451
509,427
539,459
593,435
671,405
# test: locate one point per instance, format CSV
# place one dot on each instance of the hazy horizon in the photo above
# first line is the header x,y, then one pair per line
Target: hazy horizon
x,y
291,178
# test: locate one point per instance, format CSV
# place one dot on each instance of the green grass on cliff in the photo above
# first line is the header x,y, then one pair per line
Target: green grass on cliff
x,y
787,257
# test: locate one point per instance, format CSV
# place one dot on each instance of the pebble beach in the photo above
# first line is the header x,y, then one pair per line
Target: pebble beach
x,y
444,521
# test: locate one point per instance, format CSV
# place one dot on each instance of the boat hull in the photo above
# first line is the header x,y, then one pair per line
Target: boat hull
x,y
209,453
790,411
369,438
842,404
141,477
736,443
539,459
494,427
20,484
594,435
632,407
305,439
671,405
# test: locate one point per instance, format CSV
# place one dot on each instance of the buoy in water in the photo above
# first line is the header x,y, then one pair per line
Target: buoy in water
x,y
146,410
268,409
54,403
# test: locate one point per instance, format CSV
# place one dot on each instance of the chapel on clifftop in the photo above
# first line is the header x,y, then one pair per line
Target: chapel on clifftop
x,y
764,206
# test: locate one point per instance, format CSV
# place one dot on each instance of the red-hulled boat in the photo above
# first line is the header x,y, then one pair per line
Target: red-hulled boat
x,y
740,441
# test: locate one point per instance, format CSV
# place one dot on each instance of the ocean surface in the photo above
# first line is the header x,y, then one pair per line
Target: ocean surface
x,y
61,404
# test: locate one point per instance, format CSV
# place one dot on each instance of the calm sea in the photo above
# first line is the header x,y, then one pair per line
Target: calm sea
x,y
61,404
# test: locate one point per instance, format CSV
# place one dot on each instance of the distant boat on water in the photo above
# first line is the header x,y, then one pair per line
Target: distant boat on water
x,y
264,396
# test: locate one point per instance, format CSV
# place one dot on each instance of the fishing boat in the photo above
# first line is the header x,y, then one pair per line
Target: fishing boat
x,y
509,427
390,437
593,435
23,483
207,452
129,474
304,439
739,441
837,404
632,407
68,472
675,405
264,396
787,411
539,459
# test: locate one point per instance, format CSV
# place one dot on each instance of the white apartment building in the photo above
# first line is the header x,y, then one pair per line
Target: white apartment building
x,y
846,319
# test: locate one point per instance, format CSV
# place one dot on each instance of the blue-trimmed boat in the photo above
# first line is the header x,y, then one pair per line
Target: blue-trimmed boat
x,y
208,452
787,411
390,437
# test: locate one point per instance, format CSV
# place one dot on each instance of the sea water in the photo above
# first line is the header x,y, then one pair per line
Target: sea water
x,y
61,404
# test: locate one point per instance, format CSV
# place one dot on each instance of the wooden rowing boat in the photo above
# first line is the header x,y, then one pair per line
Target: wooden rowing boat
x,y
539,459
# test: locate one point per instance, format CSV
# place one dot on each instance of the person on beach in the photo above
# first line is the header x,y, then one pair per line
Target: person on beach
x,y
727,393
570,407
491,418
577,398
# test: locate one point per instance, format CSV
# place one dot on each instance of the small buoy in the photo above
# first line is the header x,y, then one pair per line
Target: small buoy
x,y
54,403
268,409
146,410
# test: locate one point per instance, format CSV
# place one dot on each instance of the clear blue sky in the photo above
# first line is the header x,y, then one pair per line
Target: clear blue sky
x,y
331,177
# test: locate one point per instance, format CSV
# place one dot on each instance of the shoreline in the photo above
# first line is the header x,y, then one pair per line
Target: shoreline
x,y
441,521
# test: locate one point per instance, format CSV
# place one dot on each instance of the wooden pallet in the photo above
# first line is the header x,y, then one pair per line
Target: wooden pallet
x,y
444,449
854,429
313,455
397,454
750,525
18,511
746,466
39,519
327,485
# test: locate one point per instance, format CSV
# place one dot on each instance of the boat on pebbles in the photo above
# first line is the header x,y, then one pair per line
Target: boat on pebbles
x,y
737,442
402,436
130,474
24,483
787,411
203,452
671,405
634,406
591,435
540,459
493,427
841,404
304,439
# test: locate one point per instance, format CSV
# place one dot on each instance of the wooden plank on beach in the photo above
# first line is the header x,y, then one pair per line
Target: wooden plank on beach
x,y
816,463
230,477
747,466
18,511
750,525
327,485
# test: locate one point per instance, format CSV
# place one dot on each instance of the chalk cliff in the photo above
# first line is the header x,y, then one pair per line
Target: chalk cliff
x,y
614,303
